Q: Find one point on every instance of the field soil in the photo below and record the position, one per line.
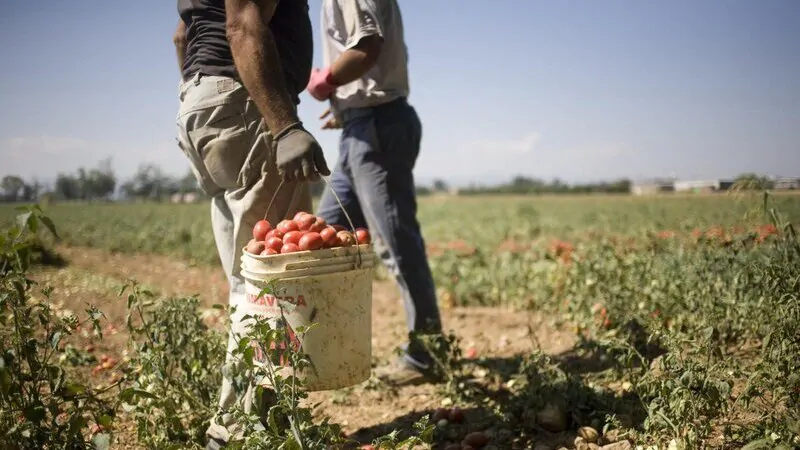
(365, 411)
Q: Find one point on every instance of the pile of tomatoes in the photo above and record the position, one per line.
(303, 232)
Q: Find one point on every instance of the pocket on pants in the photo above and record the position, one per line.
(195, 164)
(223, 146)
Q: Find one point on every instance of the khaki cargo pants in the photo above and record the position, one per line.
(229, 149)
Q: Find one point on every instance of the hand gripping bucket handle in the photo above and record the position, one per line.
(344, 210)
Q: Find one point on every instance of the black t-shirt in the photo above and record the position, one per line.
(208, 51)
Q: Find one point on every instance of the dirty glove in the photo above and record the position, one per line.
(298, 155)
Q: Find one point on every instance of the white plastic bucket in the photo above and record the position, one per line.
(329, 287)
(280, 263)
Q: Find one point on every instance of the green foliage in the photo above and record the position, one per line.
(689, 306)
(174, 371)
(177, 366)
(42, 405)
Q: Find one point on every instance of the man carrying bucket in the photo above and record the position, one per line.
(243, 64)
(366, 81)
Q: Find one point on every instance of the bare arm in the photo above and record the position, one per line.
(179, 39)
(355, 62)
(256, 59)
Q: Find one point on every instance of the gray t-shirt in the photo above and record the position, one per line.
(344, 23)
(208, 51)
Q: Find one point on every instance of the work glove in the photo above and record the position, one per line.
(321, 84)
(298, 155)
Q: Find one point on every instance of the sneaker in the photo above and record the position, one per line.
(405, 371)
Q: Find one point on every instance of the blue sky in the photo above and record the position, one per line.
(580, 90)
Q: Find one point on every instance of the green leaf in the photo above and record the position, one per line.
(128, 394)
(35, 413)
(74, 388)
(50, 226)
(272, 419)
(105, 420)
(55, 338)
(27, 220)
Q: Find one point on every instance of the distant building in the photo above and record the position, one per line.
(786, 184)
(703, 185)
(651, 187)
(189, 197)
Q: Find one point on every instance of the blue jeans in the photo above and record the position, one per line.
(374, 181)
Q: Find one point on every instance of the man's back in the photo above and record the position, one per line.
(344, 22)
(208, 50)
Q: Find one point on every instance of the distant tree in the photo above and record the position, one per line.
(149, 182)
(188, 183)
(30, 192)
(101, 181)
(13, 187)
(67, 187)
(422, 190)
(128, 189)
(99, 184)
(440, 185)
(96, 183)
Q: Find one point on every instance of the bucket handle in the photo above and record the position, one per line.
(344, 210)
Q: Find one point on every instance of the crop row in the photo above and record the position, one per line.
(184, 230)
(689, 308)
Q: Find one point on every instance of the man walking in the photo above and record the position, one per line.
(243, 64)
(366, 81)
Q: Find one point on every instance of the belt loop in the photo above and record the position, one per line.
(197, 79)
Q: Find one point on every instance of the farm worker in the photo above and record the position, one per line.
(365, 79)
(243, 64)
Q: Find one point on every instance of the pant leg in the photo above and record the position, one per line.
(341, 183)
(230, 152)
(382, 152)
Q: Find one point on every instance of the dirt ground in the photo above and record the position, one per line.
(94, 276)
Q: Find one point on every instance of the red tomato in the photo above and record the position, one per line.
(274, 244)
(290, 248)
(346, 238)
(274, 233)
(270, 251)
(310, 241)
(362, 236)
(300, 214)
(304, 222)
(255, 247)
(476, 439)
(287, 226)
(328, 235)
(456, 415)
(318, 225)
(292, 237)
(261, 229)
